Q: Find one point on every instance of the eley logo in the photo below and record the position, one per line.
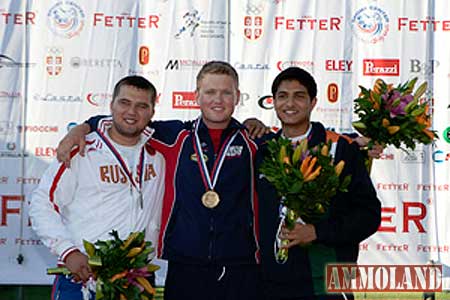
(338, 65)
(184, 100)
(144, 55)
(378, 67)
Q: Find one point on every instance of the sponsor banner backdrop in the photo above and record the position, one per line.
(59, 61)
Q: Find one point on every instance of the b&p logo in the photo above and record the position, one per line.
(66, 19)
(370, 24)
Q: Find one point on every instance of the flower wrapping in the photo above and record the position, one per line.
(396, 116)
(120, 267)
(305, 178)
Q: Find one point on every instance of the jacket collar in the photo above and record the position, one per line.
(317, 135)
(106, 123)
(233, 125)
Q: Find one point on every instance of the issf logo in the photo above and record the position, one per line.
(370, 24)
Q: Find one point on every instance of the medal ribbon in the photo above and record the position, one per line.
(206, 176)
(136, 185)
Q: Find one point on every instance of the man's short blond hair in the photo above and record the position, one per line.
(218, 67)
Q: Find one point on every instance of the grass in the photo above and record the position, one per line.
(400, 296)
(41, 292)
(35, 292)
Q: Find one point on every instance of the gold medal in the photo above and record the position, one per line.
(210, 199)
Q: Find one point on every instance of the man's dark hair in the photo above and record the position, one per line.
(298, 74)
(218, 67)
(138, 82)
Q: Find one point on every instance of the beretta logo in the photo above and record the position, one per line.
(184, 100)
(377, 67)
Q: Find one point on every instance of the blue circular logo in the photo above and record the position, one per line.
(370, 24)
(66, 19)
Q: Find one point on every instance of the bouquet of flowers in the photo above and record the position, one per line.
(120, 268)
(394, 115)
(305, 178)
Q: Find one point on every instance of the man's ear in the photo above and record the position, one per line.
(152, 114)
(197, 96)
(313, 103)
(238, 98)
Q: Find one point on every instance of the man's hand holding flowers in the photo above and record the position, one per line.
(306, 180)
(301, 234)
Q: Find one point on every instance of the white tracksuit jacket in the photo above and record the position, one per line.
(94, 196)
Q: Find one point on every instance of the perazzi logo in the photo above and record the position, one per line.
(184, 100)
(115, 174)
(383, 278)
(376, 67)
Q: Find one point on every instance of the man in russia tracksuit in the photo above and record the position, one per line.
(117, 185)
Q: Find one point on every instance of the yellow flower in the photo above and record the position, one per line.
(393, 129)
